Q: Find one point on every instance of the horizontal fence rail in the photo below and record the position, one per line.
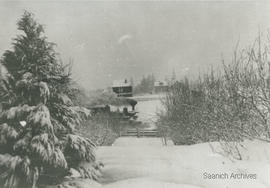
(141, 133)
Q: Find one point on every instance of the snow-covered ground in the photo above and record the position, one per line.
(148, 96)
(146, 163)
(147, 108)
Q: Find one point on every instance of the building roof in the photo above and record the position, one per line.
(121, 83)
(160, 83)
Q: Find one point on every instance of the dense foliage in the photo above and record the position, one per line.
(37, 124)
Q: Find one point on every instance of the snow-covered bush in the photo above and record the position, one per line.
(228, 107)
(38, 142)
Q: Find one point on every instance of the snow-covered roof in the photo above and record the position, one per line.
(160, 83)
(121, 83)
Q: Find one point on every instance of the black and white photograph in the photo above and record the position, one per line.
(134, 94)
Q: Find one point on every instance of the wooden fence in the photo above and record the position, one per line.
(141, 133)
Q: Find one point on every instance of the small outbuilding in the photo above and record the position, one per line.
(161, 87)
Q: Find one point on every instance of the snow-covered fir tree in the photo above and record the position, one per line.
(37, 123)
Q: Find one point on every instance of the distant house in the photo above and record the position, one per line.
(123, 106)
(160, 87)
(122, 88)
(127, 103)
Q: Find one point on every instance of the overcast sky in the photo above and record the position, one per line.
(115, 40)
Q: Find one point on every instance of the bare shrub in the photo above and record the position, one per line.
(100, 134)
(227, 107)
(102, 129)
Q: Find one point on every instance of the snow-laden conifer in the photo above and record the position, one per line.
(37, 123)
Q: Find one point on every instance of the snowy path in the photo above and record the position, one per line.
(146, 163)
